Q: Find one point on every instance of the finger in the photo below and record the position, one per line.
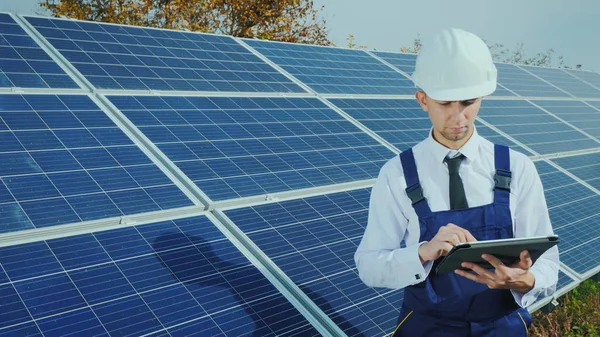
(484, 273)
(466, 235)
(525, 261)
(469, 236)
(494, 261)
(445, 247)
(473, 277)
(451, 238)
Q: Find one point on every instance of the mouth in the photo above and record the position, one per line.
(458, 130)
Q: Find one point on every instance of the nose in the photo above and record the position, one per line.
(457, 111)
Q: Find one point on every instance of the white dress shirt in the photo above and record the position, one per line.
(383, 262)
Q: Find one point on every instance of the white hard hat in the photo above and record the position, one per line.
(455, 65)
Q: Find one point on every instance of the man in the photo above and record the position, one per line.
(442, 192)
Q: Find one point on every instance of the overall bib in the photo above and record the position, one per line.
(449, 305)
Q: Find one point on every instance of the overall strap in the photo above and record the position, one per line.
(413, 189)
(503, 175)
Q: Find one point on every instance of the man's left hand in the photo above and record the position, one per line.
(516, 277)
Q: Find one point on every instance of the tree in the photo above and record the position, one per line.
(501, 53)
(280, 20)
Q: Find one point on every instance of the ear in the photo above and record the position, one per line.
(421, 97)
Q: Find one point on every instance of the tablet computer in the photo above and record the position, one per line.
(507, 250)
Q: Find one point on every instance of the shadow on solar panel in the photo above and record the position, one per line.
(197, 270)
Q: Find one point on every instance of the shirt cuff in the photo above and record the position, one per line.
(527, 299)
(418, 271)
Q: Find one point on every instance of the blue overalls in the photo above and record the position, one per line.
(449, 305)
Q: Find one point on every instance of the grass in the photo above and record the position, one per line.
(577, 315)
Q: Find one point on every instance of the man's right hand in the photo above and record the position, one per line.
(446, 237)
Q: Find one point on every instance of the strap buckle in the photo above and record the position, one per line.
(415, 193)
(502, 179)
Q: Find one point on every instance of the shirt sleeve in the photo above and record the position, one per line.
(532, 219)
(380, 260)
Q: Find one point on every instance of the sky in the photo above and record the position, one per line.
(570, 27)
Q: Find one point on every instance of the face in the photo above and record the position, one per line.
(452, 121)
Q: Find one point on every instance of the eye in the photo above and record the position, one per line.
(467, 103)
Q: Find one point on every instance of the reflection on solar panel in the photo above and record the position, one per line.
(585, 167)
(237, 147)
(174, 278)
(24, 64)
(525, 84)
(64, 161)
(575, 216)
(563, 280)
(577, 113)
(587, 76)
(564, 81)
(313, 241)
(404, 62)
(125, 57)
(533, 127)
(402, 122)
(335, 71)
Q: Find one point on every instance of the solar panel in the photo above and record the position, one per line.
(64, 160)
(334, 70)
(564, 280)
(402, 122)
(589, 77)
(173, 278)
(564, 81)
(525, 84)
(125, 57)
(23, 63)
(313, 241)
(404, 62)
(585, 167)
(533, 127)
(236, 147)
(575, 218)
(577, 113)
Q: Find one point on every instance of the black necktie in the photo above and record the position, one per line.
(457, 192)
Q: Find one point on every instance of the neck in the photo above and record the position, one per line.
(452, 144)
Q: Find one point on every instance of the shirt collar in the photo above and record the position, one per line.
(469, 149)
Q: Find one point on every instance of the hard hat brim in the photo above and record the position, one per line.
(461, 94)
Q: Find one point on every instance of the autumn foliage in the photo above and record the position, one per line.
(280, 20)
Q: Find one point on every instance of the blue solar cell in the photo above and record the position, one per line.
(313, 241)
(62, 325)
(534, 127)
(78, 251)
(41, 302)
(591, 78)
(101, 283)
(525, 84)
(23, 63)
(335, 70)
(564, 81)
(142, 59)
(402, 122)
(575, 218)
(39, 257)
(188, 275)
(563, 280)
(585, 167)
(13, 309)
(577, 113)
(61, 156)
(228, 158)
(28, 329)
